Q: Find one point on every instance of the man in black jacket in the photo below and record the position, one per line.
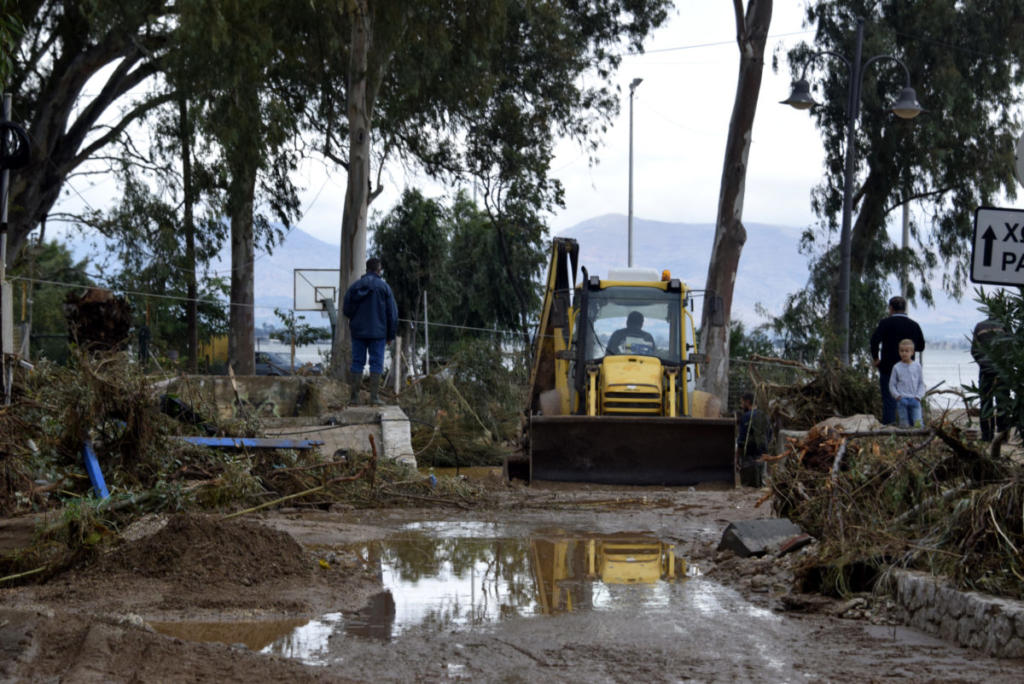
(895, 327)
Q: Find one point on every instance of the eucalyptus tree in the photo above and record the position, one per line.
(730, 235)
(59, 48)
(465, 88)
(237, 62)
(964, 59)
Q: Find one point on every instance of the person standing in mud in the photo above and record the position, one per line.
(752, 441)
(890, 331)
(370, 307)
(993, 414)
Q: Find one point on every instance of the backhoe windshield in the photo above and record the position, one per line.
(614, 326)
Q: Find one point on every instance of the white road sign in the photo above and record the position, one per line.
(998, 253)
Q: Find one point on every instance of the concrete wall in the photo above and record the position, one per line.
(261, 395)
(971, 619)
(302, 407)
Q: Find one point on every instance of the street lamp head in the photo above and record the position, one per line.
(800, 96)
(906, 106)
(635, 82)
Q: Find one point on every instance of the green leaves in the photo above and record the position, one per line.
(456, 255)
(965, 64)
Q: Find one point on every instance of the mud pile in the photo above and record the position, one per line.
(195, 549)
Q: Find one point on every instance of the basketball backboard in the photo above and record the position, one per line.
(313, 286)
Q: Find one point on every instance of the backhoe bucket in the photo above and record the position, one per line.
(624, 450)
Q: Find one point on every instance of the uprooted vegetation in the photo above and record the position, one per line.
(106, 400)
(467, 413)
(931, 499)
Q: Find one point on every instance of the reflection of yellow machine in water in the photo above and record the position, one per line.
(566, 567)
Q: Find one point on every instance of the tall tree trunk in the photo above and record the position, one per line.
(353, 221)
(730, 235)
(241, 333)
(191, 308)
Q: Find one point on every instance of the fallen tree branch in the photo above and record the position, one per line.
(434, 499)
(27, 573)
(300, 494)
(781, 362)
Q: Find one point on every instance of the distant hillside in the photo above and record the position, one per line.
(771, 266)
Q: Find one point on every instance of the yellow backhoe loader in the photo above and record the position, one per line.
(612, 385)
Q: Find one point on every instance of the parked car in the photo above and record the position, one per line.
(274, 363)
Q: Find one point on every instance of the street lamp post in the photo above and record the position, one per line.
(905, 107)
(632, 88)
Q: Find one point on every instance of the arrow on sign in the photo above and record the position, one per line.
(989, 237)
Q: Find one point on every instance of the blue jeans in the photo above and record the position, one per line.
(359, 349)
(888, 403)
(909, 411)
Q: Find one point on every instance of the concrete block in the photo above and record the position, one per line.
(955, 602)
(754, 537)
(396, 435)
(350, 430)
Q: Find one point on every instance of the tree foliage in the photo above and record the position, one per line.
(145, 254)
(43, 273)
(114, 48)
(465, 89)
(964, 61)
(453, 253)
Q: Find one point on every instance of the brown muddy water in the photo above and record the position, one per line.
(510, 602)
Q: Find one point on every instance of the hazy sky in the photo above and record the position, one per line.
(680, 121)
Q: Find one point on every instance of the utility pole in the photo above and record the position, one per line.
(632, 88)
(6, 301)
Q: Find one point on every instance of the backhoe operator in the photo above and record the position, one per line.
(631, 339)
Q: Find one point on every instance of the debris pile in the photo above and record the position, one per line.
(922, 499)
(468, 412)
(828, 390)
(104, 400)
(97, 319)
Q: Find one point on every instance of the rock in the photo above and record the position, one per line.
(754, 537)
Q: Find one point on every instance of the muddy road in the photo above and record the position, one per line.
(574, 584)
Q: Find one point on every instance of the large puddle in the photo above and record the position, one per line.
(454, 577)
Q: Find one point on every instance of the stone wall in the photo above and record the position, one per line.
(971, 619)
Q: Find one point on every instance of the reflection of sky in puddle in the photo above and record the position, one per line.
(458, 577)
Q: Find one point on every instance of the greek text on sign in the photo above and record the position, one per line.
(998, 252)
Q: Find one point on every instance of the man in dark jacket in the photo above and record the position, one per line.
(895, 327)
(753, 440)
(373, 322)
(993, 415)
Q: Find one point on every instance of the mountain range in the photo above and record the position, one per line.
(771, 267)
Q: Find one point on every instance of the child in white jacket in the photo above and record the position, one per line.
(906, 385)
